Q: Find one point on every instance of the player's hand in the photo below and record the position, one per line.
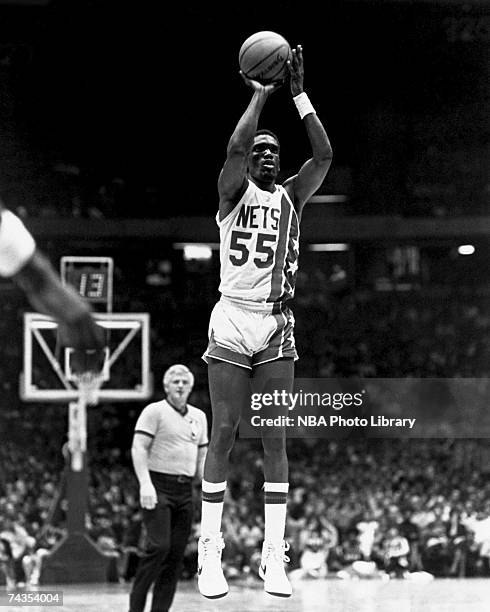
(91, 360)
(82, 333)
(296, 70)
(148, 496)
(86, 338)
(260, 87)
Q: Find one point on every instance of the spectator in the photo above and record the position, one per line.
(396, 551)
(313, 560)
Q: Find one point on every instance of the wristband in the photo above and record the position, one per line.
(16, 244)
(303, 104)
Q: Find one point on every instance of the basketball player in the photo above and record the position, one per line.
(21, 261)
(251, 327)
(168, 451)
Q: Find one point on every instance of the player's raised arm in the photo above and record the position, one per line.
(21, 261)
(47, 295)
(40, 283)
(232, 179)
(303, 185)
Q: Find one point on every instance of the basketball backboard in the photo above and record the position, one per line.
(46, 375)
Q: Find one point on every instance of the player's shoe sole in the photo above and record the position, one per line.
(214, 596)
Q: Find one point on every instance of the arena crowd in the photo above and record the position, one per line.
(357, 507)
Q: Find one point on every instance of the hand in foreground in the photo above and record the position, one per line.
(148, 496)
(296, 70)
(82, 333)
(87, 340)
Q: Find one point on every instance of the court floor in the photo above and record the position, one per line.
(443, 595)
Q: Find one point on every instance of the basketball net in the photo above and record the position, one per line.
(88, 384)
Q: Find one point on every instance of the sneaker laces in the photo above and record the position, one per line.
(277, 554)
(213, 546)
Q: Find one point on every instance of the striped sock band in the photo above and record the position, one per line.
(275, 497)
(275, 500)
(213, 494)
(213, 498)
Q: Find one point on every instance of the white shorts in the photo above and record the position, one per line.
(246, 337)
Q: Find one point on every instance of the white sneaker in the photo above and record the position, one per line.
(272, 570)
(210, 578)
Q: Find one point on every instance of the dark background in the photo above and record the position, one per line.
(149, 92)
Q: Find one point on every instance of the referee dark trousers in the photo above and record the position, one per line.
(168, 528)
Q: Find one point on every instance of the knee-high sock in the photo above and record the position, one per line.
(212, 507)
(275, 499)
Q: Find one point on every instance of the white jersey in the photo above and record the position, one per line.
(259, 249)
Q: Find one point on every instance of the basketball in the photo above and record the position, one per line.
(263, 57)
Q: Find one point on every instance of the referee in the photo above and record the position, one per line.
(168, 451)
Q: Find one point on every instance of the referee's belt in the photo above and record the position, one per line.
(180, 478)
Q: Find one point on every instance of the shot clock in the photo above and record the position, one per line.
(91, 277)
